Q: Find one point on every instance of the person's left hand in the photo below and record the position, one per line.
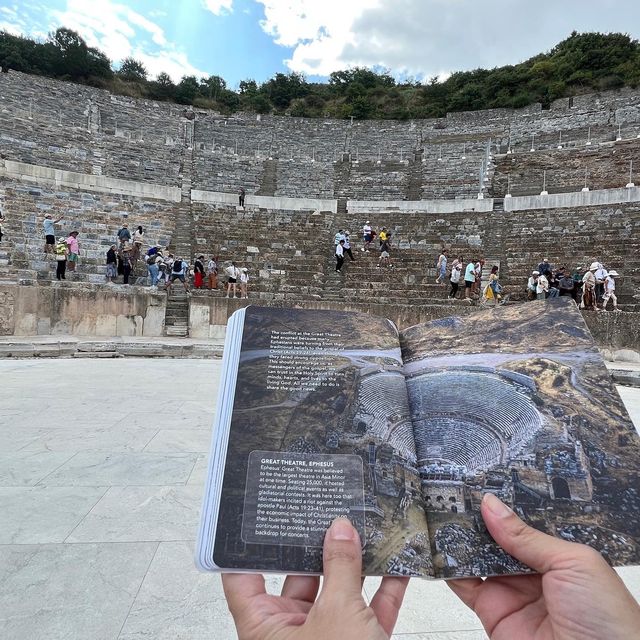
(338, 612)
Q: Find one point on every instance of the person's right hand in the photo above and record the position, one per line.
(576, 596)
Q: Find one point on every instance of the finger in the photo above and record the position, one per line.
(467, 590)
(342, 560)
(536, 549)
(387, 601)
(240, 589)
(301, 588)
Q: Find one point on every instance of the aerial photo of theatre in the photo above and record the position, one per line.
(363, 411)
(520, 405)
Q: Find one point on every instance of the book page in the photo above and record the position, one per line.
(517, 402)
(320, 429)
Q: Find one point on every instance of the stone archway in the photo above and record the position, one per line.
(560, 489)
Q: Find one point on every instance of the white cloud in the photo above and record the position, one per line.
(428, 38)
(118, 31)
(218, 7)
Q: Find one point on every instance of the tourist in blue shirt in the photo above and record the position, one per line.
(469, 279)
(49, 233)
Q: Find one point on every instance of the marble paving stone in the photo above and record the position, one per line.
(423, 605)
(75, 592)
(127, 514)
(198, 476)
(99, 439)
(39, 515)
(91, 469)
(26, 468)
(177, 602)
(15, 436)
(188, 440)
(173, 419)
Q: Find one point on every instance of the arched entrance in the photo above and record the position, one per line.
(560, 489)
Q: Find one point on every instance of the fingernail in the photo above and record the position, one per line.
(341, 529)
(496, 506)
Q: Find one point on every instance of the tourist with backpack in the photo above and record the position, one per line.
(179, 269)
(441, 267)
(198, 272)
(154, 269)
(62, 251)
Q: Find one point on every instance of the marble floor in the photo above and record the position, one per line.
(102, 465)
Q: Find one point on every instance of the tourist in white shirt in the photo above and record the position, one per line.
(609, 291)
(601, 275)
(244, 282)
(456, 272)
(542, 287)
(532, 283)
(339, 255)
(367, 236)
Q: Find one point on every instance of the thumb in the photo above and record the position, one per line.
(342, 561)
(536, 549)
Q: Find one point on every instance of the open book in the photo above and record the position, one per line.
(326, 413)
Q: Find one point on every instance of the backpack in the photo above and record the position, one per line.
(177, 266)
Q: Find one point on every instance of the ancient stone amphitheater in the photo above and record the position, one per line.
(471, 182)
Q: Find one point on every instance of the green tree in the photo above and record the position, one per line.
(187, 90)
(132, 70)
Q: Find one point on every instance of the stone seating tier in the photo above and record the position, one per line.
(607, 167)
(97, 217)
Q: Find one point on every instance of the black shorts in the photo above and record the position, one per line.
(468, 284)
(232, 280)
(50, 239)
(177, 276)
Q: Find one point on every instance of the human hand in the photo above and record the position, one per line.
(576, 596)
(300, 613)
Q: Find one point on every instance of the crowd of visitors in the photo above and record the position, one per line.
(590, 288)
(342, 246)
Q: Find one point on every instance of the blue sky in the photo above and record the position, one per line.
(240, 39)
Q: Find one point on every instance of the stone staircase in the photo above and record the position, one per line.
(269, 179)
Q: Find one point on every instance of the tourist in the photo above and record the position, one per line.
(124, 236)
(367, 236)
(572, 594)
(179, 270)
(233, 273)
(74, 250)
(532, 283)
(456, 272)
(493, 288)
(339, 236)
(589, 288)
(385, 252)
(212, 272)
(50, 232)
(339, 255)
(168, 261)
(601, 275)
(347, 246)
(154, 250)
(154, 269)
(469, 279)
(441, 267)
(198, 272)
(126, 264)
(244, 282)
(62, 251)
(545, 268)
(542, 287)
(241, 195)
(112, 264)
(577, 283)
(383, 235)
(566, 285)
(554, 284)
(479, 265)
(610, 291)
(138, 236)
